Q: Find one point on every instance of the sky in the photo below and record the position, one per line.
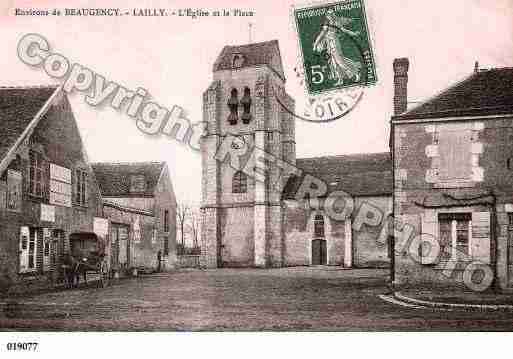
(173, 57)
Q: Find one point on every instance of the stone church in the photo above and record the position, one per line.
(251, 223)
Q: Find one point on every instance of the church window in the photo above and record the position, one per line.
(233, 105)
(319, 226)
(237, 61)
(246, 106)
(240, 182)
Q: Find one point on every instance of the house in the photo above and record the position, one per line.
(48, 190)
(139, 200)
(250, 223)
(453, 184)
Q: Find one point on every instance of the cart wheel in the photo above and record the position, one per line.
(104, 274)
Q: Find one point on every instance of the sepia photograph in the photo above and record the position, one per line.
(254, 168)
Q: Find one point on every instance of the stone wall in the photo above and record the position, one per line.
(369, 250)
(416, 157)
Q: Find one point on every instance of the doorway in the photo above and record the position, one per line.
(319, 252)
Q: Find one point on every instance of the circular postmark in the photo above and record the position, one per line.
(334, 67)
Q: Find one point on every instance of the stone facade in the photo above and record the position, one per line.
(243, 228)
(453, 189)
(142, 211)
(264, 225)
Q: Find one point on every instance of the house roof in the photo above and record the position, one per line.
(114, 178)
(18, 107)
(485, 92)
(260, 53)
(368, 174)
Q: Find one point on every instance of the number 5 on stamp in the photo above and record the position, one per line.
(335, 46)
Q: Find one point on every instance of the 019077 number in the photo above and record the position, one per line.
(26, 347)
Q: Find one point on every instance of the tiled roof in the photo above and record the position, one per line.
(18, 107)
(114, 178)
(485, 92)
(261, 53)
(357, 174)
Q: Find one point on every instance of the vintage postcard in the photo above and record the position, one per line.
(259, 167)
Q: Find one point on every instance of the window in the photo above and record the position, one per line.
(36, 174)
(319, 226)
(137, 183)
(166, 221)
(455, 233)
(237, 61)
(81, 187)
(240, 182)
(28, 249)
(509, 164)
(246, 106)
(166, 246)
(233, 105)
(453, 162)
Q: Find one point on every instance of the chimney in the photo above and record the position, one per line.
(400, 85)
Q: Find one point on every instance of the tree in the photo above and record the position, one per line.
(182, 213)
(194, 221)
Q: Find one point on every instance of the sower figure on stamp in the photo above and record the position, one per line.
(340, 66)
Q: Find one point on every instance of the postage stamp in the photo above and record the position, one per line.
(335, 46)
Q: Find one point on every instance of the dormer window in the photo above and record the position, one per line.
(237, 61)
(137, 183)
(246, 106)
(233, 105)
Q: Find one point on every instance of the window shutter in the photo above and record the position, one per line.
(429, 227)
(480, 243)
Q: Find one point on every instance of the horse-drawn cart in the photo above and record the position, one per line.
(87, 254)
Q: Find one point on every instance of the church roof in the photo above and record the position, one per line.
(260, 53)
(114, 179)
(368, 174)
(18, 107)
(485, 92)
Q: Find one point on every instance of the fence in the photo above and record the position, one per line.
(188, 261)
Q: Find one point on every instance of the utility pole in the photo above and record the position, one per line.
(250, 25)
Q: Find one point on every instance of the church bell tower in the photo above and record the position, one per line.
(246, 105)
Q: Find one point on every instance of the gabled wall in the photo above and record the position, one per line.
(57, 138)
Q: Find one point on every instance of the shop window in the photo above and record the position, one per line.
(80, 187)
(319, 226)
(36, 174)
(239, 182)
(455, 234)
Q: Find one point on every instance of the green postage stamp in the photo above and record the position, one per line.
(335, 46)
